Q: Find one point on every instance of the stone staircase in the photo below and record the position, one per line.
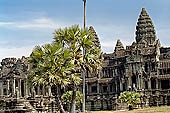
(30, 107)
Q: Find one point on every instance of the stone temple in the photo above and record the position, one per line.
(144, 67)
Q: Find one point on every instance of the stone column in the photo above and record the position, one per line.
(139, 82)
(121, 86)
(49, 90)
(38, 90)
(116, 87)
(43, 90)
(14, 87)
(108, 87)
(87, 86)
(142, 83)
(26, 88)
(149, 83)
(129, 83)
(98, 88)
(19, 87)
(160, 87)
(157, 83)
(7, 87)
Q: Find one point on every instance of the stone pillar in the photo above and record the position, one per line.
(38, 90)
(26, 88)
(49, 90)
(19, 87)
(149, 83)
(129, 83)
(98, 88)
(115, 87)
(157, 83)
(140, 86)
(8, 87)
(142, 83)
(14, 87)
(43, 88)
(121, 86)
(87, 86)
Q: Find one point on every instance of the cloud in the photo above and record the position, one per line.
(6, 23)
(15, 52)
(163, 36)
(38, 23)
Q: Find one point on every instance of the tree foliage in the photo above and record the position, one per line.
(62, 62)
(67, 97)
(131, 98)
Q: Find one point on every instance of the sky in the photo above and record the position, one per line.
(27, 23)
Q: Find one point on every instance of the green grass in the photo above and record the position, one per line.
(162, 109)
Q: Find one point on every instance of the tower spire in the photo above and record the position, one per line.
(97, 42)
(145, 28)
(119, 46)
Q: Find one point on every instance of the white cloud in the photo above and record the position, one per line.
(38, 23)
(15, 52)
(6, 23)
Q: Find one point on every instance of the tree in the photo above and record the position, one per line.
(86, 54)
(62, 62)
(130, 98)
(51, 66)
(67, 98)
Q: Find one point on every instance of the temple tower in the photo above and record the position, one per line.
(145, 31)
(97, 42)
(119, 46)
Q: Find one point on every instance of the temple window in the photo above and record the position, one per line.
(4, 83)
(94, 89)
(146, 67)
(153, 66)
(4, 91)
(146, 84)
(153, 84)
(104, 89)
(165, 84)
(111, 88)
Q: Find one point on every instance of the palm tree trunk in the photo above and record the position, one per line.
(73, 102)
(60, 104)
(84, 94)
(84, 14)
(84, 101)
(57, 95)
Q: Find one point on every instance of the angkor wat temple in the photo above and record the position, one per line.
(144, 67)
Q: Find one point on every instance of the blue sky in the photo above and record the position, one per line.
(26, 23)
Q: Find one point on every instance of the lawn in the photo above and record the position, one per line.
(162, 109)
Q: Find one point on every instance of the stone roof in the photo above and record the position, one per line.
(145, 28)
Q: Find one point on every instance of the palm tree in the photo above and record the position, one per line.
(67, 98)
(51, 66)
(62, 62)
(85, 54)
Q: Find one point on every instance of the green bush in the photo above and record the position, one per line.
(130, 98)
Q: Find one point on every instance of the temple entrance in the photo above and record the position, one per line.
(133, 82)
(92, 105)
(153, 84)
(22, 88)
(168, 100)
(165, 84)
(146, 84)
